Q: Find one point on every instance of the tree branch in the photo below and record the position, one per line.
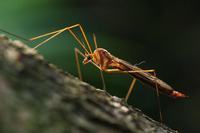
(35, 96)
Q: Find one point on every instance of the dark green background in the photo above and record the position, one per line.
(164, 34)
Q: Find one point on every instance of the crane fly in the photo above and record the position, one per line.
(106, 62)
(111, 64)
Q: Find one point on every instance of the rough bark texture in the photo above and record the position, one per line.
(37, 97)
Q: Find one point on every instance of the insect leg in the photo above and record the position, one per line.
(102, 76)
(46, 40)
(78, 40)
(95, 41)
(78, 52)
(44, 35)
(103, 80)
(130, 89)
(120, 71)
(55, 33)
(158, 100)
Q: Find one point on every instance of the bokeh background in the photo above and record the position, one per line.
(164, 34)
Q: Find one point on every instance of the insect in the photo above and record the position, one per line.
(106, 62)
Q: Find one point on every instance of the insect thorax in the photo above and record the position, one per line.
(102, 57)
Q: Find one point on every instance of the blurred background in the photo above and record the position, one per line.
(164, 34)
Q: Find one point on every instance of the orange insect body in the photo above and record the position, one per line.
(105, 60)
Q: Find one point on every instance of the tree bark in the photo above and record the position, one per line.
(37, 97)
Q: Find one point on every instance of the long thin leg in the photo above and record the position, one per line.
(103, 80)
(130, 89)
(55, 33)
(158, 100)
(78, 40)
(120, 71)
(44, 35)
(102, 76)
(77, 63)
(46, 40)
(95, 41)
